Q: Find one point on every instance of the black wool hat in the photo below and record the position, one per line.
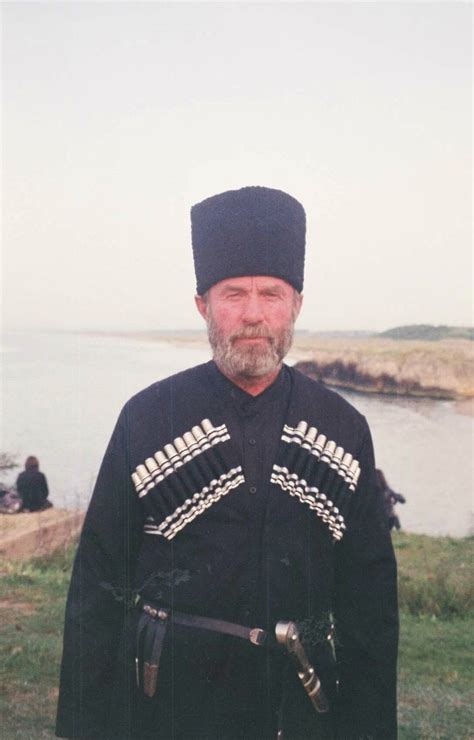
(252, 231)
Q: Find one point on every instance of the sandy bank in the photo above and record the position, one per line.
(441, 369)
(39, 533)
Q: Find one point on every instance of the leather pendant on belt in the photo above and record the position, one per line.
(150, 638)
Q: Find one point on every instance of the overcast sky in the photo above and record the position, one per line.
(117, 117)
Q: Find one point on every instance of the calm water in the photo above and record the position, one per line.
(61, 395)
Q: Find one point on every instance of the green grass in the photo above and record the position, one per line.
(435, 678)
(32, 597)
(435, 575)
(436, 595)
(435, 665)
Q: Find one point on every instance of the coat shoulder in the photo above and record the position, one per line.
(328, 403)
(184, 383)
(173, 383)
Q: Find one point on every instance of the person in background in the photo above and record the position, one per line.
(32, 486)
(390, 498)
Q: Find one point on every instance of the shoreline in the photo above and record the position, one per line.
(440, 370)
(374, 384)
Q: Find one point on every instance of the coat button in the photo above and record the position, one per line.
(252, 441)
(253, 489)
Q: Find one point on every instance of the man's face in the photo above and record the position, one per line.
(250, 323)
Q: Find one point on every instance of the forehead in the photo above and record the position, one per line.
(252, 282)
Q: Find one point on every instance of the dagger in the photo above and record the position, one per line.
(287, 635)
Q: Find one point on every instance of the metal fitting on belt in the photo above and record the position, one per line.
(257, 636)
(155, 613)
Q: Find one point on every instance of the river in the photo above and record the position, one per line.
(61, 394)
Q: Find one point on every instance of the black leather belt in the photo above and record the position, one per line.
(255, 635)
(151, 633)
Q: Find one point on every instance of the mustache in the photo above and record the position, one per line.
(252, 332)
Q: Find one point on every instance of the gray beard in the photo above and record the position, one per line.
(248, 361)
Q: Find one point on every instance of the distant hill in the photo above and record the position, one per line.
(334, 333)
(429, 332)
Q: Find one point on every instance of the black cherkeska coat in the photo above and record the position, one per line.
(207, 529)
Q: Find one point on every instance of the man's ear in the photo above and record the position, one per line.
(201, 305)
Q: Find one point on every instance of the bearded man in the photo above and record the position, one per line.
(235, 577)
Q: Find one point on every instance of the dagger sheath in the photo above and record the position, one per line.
(287, 635)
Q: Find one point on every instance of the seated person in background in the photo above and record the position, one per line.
(32, 486)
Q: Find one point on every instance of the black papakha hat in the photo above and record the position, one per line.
(251, 231)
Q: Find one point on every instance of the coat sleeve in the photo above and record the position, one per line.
(366, 614)
(99, 594)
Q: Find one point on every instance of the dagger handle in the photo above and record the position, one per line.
(287, 635)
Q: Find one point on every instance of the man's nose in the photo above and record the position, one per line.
(253, 310)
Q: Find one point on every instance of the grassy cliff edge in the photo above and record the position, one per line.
(442, 369)
(436, 599)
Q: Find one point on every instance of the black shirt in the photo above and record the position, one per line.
(255, 424)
